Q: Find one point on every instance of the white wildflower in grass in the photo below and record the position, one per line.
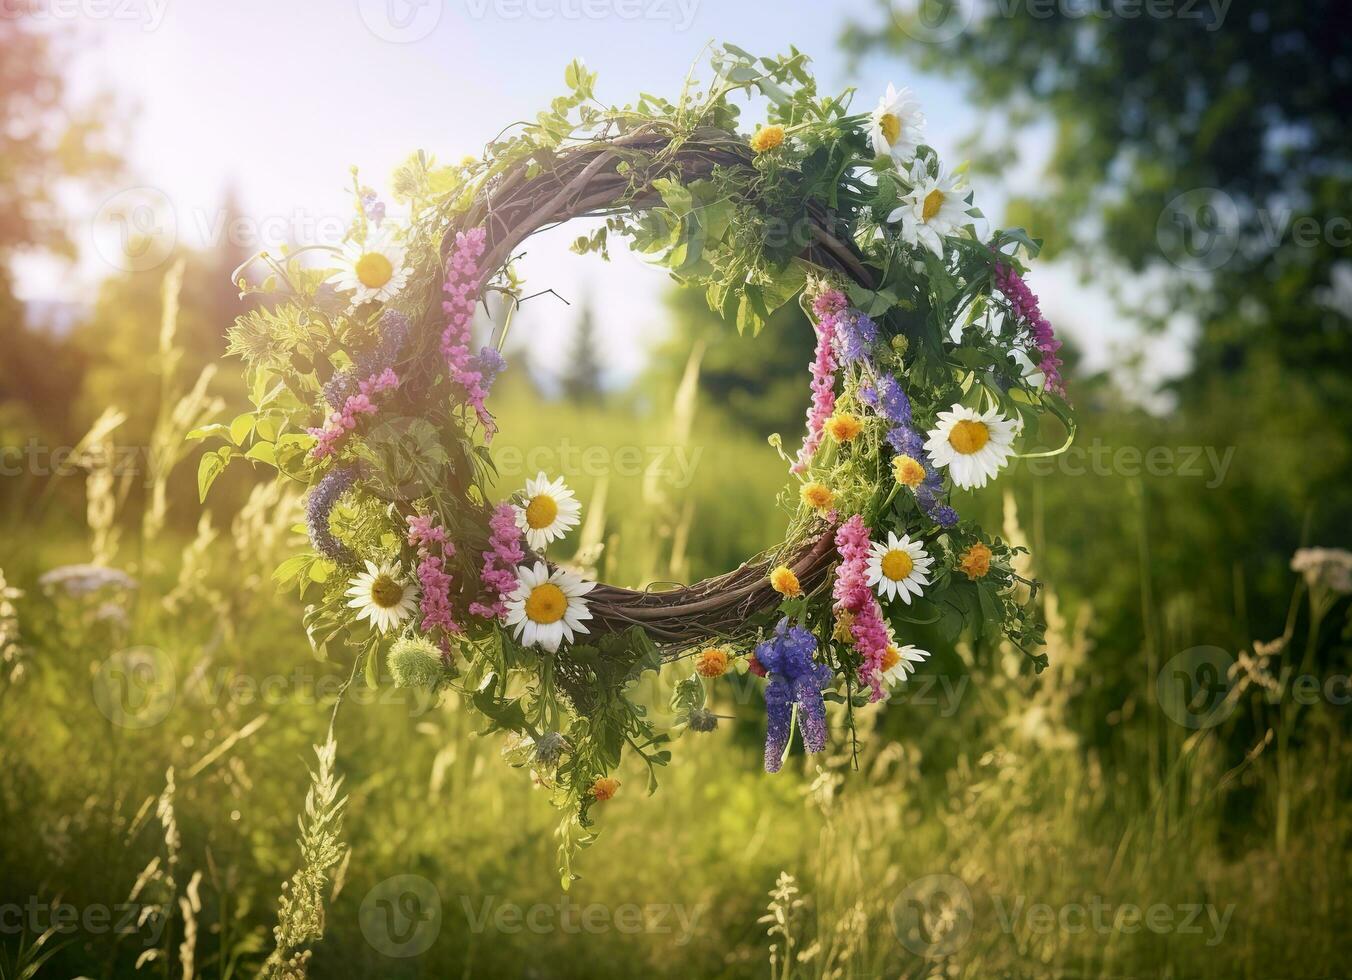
(547, 607)
(79, 581)
(382, 596)
(1329, 568)
(550, 511)
(974, 446)
(898, 567)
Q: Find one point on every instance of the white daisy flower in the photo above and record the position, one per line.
(898, 567)
(551, 511)
(381, 595)
(933, 209)
(371, 270)
(973, 446)
(897, 126)
(901, 661)
(547, 607)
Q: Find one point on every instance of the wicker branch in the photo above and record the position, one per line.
(582, 181)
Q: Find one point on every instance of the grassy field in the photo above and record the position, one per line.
(1081, 823)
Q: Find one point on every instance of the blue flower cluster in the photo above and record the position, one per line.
(319, 505)
(794, 678)
(855, 334)
(887, 398)
(393, 329)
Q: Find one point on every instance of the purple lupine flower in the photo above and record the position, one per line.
(886, 397)
(855, 333)
(372, 206)
(319, 506)
(490, 364)
(795, 678)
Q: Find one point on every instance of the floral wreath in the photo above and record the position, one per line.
(931, 356)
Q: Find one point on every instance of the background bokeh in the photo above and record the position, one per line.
(1168, 799)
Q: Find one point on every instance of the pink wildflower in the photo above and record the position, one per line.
(828, 306)
(853, 596)
(463, 280)
(344, 420)
(504, 554)
(435, 581)
(1023, 302)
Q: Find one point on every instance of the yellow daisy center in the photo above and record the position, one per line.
(934, 200)
(897, 564)
(541, 511)
(374, 270)
(891, 127)
(386, 592)
(546, 604)
(969, 436)
(891, 657)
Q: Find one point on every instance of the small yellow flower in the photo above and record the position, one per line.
(767, 138)
(975, 561)
(843, 426)
(783, 581)
(712, 662)
(604, 788)
(908, 471)
(842, 634)
(818, 496)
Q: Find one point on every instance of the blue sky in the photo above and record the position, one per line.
(279, 98)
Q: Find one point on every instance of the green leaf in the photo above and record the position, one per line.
(290, 568)
(209, 467)
(263, 452)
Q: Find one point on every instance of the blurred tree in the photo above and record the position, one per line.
(760, 382)
(1204, 140)
(45, 143)
(582, 374)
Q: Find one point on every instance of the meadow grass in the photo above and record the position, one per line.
(994, 826)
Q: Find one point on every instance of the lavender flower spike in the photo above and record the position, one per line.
(319, 506)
